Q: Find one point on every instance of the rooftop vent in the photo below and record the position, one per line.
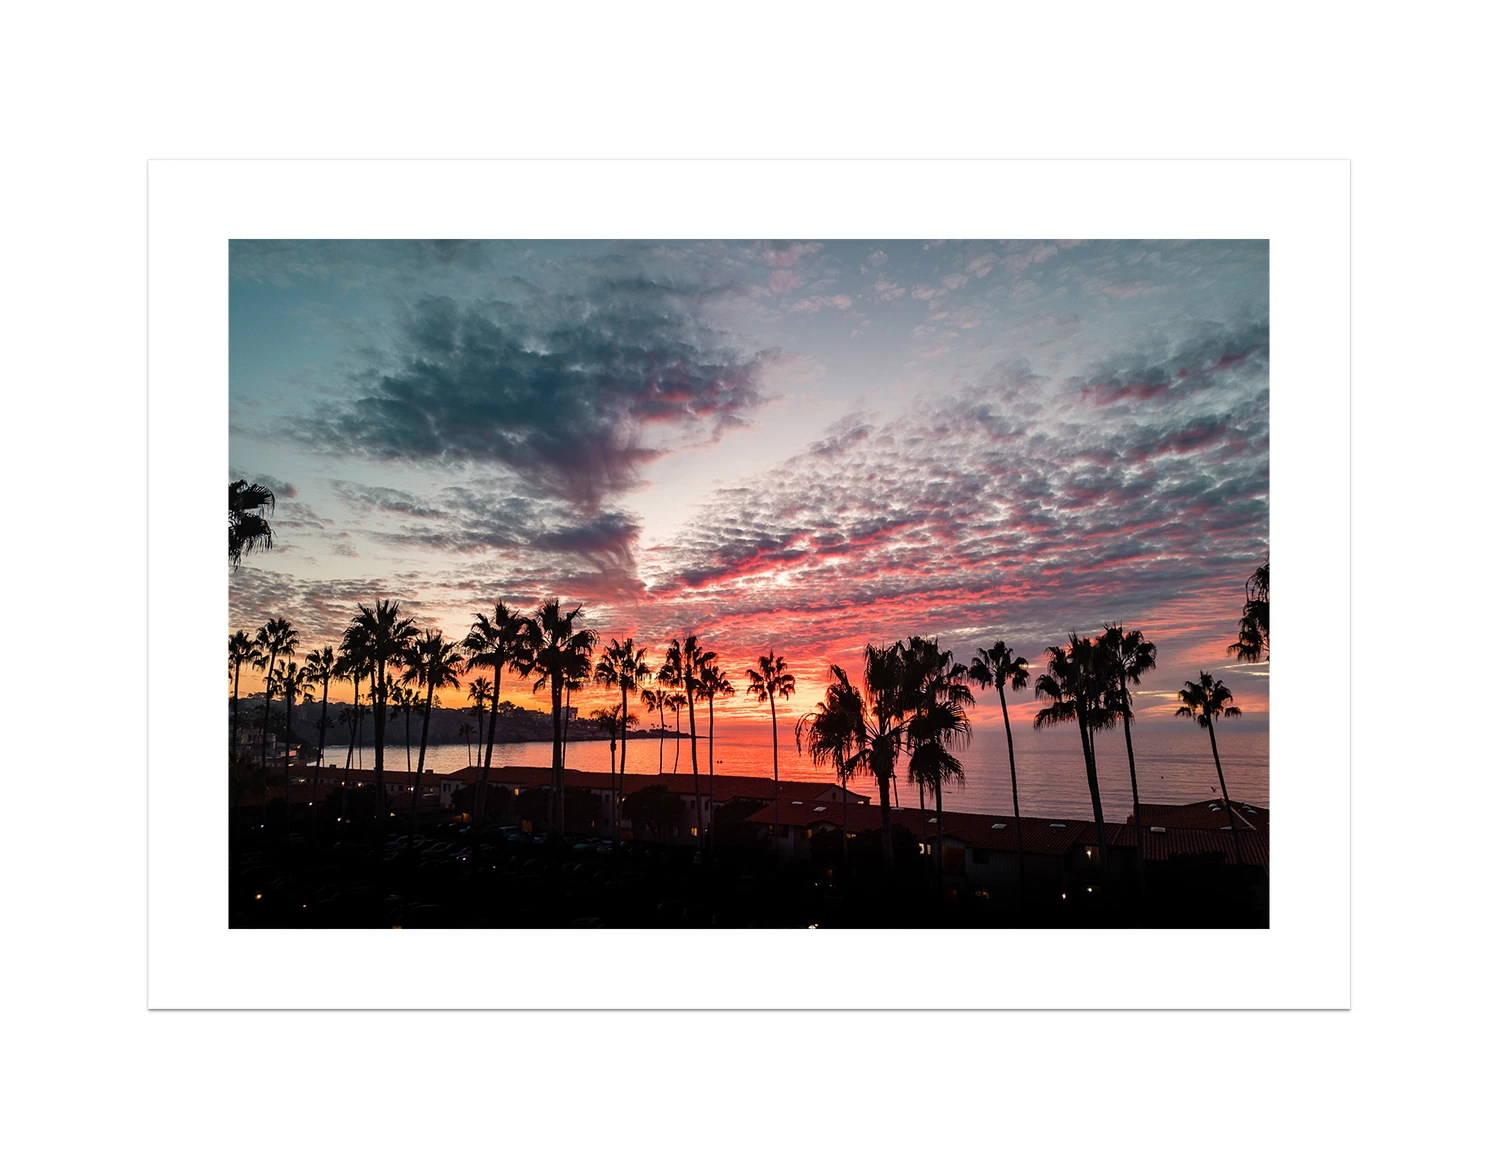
(1158, 828)
(998, 825)
(796, 802)
(821, 808)
(932, 820)
(1059, 825)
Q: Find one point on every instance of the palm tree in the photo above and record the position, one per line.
(466, 733)
(559, 651)
(276, 639)
(481, 690)
(435, 664)
(1000, 667)
(623, 666)
(656, 704)
(322, 669)
(935, 695)
(712, 681)
(675, 702)
(291, 684)
(835, 733)
(1254, 641)
(771, 680)
(494, 642)
(608, 718)
(863, 731)
(249, 530)
(1206, 700)
(351, 664)
(1129, 656)
(1081, 684)
(386, 635)
(242, 652)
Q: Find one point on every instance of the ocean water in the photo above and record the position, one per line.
(1174, 764)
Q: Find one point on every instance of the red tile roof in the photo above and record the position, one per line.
(1167, 843)
(1040, 835)
(1204, 814)
(725, 787)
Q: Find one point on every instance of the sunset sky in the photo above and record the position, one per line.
(796, 444)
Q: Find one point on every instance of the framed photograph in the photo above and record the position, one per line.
(745, 569)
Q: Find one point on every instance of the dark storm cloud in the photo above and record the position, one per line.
(569, 392)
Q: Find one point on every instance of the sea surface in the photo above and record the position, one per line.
(1174, 764)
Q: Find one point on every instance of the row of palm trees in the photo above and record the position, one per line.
(911, 703)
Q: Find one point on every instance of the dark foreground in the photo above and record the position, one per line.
(513, 880)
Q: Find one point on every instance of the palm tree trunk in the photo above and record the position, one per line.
(677, 750)
(845, 780)
(693, 745)
(422, 761)
(555, 801)
(624, 724)
(353, 727)
(1135, 799)
(380, 700)
(1093, 778)
(408, 739)
(286, 773)
(710, 773)
(922, 817)
(887, 847)
(1015, 800)
(661, 742)
(234, 726)
(775, 780)
(1234, 829)
(562, 787)
(318, 763)
(489, 751)
(938, 792)
(265, 727)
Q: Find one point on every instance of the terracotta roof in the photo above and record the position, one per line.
(1164, 843)
(725, 787)
(1039, 835)
(1204, 814)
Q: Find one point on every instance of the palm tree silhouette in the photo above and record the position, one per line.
(242, 652)
(771, 680)
(1254, 641)
(433, 663)
(999, 667)
(1205, 701)
(676, 701)
(276, 639)
(386, 635)
(466, 733)
(493, 642)
(480, 692)
(249, 530)
(936, 695)
(712, 681)
(558, 651)
(622, 665)
(1129, 656)
(656, 704)
(351, 664)
(684, 661)
(863, 731)
(292, 684)
(1081, 683)
(322, 669)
